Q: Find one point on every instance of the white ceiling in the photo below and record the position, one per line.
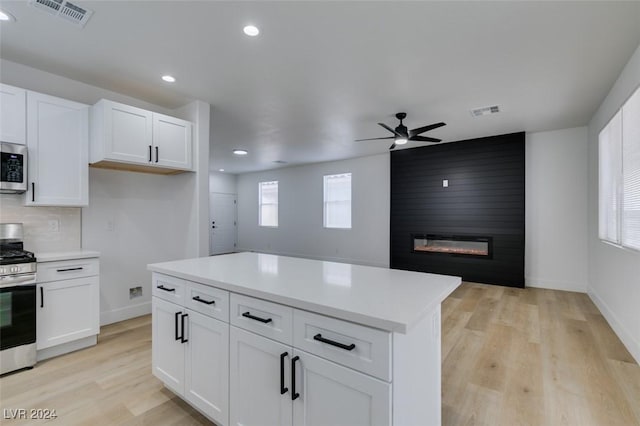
(322, 74)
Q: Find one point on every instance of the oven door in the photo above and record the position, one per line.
(17, 316)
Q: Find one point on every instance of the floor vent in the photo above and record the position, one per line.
(66, 10)
(477, 112)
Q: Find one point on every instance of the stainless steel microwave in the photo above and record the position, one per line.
(13, 171)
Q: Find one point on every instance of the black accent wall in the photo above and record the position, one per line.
(485, 198)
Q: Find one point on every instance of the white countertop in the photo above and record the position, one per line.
(55, 256)
(389, 299)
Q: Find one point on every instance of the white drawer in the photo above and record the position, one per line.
(67, 269)
(207, 300)
(357, 346)
(265, 318)
(168, 288)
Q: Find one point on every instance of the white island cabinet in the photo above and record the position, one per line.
(275, 340)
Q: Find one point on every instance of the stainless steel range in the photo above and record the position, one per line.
(17, 301)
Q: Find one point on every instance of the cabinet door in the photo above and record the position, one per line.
(67, 310)
(255, 381)
(127, 133)
(13, 113)
(334, 395)
(167, 352)
(172, 142)
(207, 366)
(58, 141)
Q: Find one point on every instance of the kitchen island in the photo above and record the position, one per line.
(257, 339)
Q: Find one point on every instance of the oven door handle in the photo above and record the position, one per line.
(15, 280)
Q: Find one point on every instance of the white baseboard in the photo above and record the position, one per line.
(128, 312)
(555, 284)
(65, 348)
(632, 345)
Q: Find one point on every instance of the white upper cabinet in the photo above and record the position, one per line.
(126, 137)
(57, 137)
(13, 114)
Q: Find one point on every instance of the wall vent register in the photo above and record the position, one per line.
(456, 245)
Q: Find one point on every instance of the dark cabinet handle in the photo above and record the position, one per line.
(263, 320)
(182, 339)
(206, 302)
(283, 389)
(70, 269)
(177, 314)
(319, 338)
(294, 394)
(149, 153)
(156, 154)
(33, 191)
(161, 287)
(42, 297)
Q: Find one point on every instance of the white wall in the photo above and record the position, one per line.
(224, 183)
(556, 209)
(614, 273)
(38, 237)
(132, 218)
(301, 232)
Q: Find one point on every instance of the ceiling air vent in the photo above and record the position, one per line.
(64, 9)
(477, 112)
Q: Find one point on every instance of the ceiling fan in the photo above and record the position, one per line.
(402, 135)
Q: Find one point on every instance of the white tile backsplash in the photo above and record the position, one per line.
(40, 223)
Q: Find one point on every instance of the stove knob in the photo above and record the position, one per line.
(3, 271)
(15, 269)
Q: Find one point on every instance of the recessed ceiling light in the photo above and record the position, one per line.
(221, 170)
(169, 78)
(251, 30)
(6, 16)
(240, 152)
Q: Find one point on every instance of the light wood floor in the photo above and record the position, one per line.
(510, 357)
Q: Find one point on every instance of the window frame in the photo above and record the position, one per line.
(261, 203)
(326, 203)
(617, 176)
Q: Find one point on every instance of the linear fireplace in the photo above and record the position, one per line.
(454, 245)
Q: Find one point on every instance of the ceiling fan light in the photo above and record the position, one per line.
(401, 141)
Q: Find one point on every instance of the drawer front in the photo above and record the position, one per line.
(67, 269)
(168, 288)
(265, 318)
(357, 346)
(207, 300)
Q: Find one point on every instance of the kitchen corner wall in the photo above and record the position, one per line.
(46, 229)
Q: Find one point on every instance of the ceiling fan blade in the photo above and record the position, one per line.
(419, 130)
(389, 129)
(392, 146)
(424, 139)
(374, 139)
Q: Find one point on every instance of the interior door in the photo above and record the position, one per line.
(222, 212)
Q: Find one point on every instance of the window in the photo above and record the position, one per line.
(619, 176)
(337, 201)
(268, 203)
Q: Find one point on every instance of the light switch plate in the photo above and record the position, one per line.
(445, 183)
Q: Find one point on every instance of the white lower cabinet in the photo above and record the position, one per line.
(259, 379)
(330, 394)
(191, 356)
(253, 372)
(67, 311)
(263, 392)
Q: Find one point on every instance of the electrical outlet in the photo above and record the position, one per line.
(135, 292)
(111, 226)
(53, 225)
(445, 183)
